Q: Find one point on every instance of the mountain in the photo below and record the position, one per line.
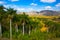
(43, 12)
(49, 12)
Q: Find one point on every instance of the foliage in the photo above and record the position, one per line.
(40, 28)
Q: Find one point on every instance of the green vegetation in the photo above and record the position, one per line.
(15, 26)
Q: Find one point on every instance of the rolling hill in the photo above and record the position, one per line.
(50, 13)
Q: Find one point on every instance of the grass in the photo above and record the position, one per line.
(55, 39)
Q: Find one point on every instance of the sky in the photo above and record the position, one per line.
(31, 5)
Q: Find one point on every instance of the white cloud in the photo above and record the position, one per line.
(48, 8)
(30, 9)
(6, 6)
(57, 5)
(33, 4)
(13, 0)
(1, 2)
(14, 7)
(48, 1)
(19, 9)
(10, 5)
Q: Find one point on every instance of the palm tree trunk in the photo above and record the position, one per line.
(10, 30)
(0, 30)
(23, 28)
(16, 27)
(29, 30)
(47, 34)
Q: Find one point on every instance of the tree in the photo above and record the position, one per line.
(16, 21)
(1, 17)
(11, 12)
(24, 20)
(30, 25)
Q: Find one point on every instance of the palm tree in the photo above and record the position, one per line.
(11, 12)
(16, 21)
(30, 25)
(0, 27)
(1, 17)
(24, 20)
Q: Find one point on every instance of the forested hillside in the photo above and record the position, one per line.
(15, 26)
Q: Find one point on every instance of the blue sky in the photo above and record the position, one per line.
(31, 5)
